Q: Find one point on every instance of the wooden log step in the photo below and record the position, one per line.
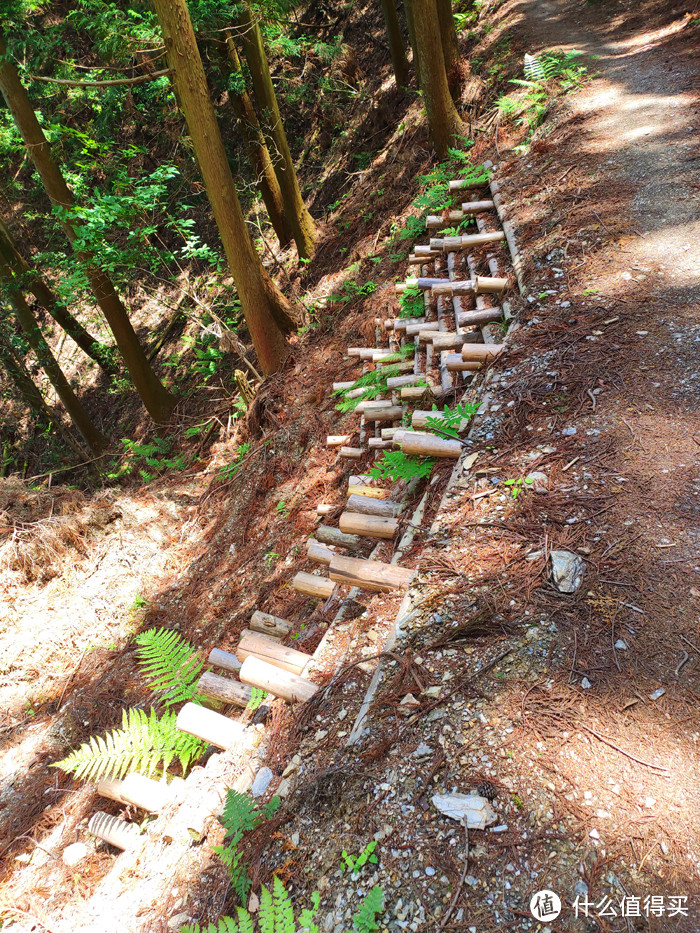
(419, 420)
(326, 534)
(462, 185)
(225, 660)
(427, 445)
(451, 244)
(455, 364)
(479, 317)
(476, 207)
(110, 829)
(338, 440)
(420, 260)
(341, 386)
(224, 689)
(318, 553)
(369, 526)
(404, 367)
(265, 676)
(427, 251)
(401, 323)
(440, 221)
(372, 575)
(371, 403)
(364, 485)
(269, 625)
(137, 790)
(489, 285)
(388, 433)
(351, 453)
(390, 413)
(398, 382)
(413, 329)
(445, 341)
(416, 393)
(481, 352)
(311, 585)
(376, 443)
(260, 646)
(365, 505)
(209, 726)
(383, 356)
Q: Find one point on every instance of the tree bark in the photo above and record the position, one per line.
(301, 222)
(255, 144)
(443, 119)
(95, 440)
(158, 401)
(412, 38)
(48, 300)
(266, 311)
(399, 61)
(450, 43)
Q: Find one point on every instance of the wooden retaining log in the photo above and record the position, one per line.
(489, 285)
(265, 676)
(427, 445)
(479, 317)
(481, 352)
(451, 244)
(326, 534)
(356, 351)
(455, 364)
(338, 440)
(209, 726)
(400, 324)
(371, 403)
(369, 526)
(372, 575)
(118, 833)
(398, 382)
(390, 413)
(340, 386)
(419, 420)
(388, 433)
(364, 485)
(476, 207)
(439, 222)
(376, 443)
(225, 660)
(444, 341)
(426, 251)
(269, 625)
(415, 393)
(224, 689)
(137, 790)
(413, 329)
(458, 184)
(311, 585)
(318, 553)
(351, 453)
(383, 356)
(260, 646)
(366, 505)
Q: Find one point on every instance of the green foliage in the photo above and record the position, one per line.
(151, 454)
(395, 465)
(240, 816)
(365, 919)
(171, 665)
(354, 864)
(145, 743)
(228, 472)
(449, 423)
(257, 698)
(411, 303)
(516, 485)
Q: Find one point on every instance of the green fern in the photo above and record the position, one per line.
(395, 465)
(171, 664)
(372, 383)
(240, 815)
(257, 698)
(411, 302)
(365, 919)
(450, 422)
(145, 744)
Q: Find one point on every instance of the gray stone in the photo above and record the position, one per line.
(261, 782)
(567, 571)
(469, 809)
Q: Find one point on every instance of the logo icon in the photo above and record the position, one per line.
(545, 905)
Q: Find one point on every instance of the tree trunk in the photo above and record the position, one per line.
(398, 52)
(48, 300)
(443, 119)
(450, 43)
(266, 310)
(412, 39)
(258, 153)
(154, 395)
(95, 440)
(301, 222)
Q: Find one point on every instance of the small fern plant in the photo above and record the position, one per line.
(451, 422)
(171, 665)
(395, 465)
(411, 302)
(276, 915)
(145, 743)
(240, 815)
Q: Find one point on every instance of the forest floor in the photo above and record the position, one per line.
(587, 723)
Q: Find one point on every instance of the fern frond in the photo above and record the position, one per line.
(171, 664)
(365, 919)
(245, 921)
(225, 925)
(145, 744)
(284, 912)
(266, 916)
(394, 465)
(451, 422)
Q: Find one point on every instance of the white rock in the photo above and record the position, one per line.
(74, 853)
(585, 683)
(567, 571)
(621, 645)
(474, 811)
(594, 834)
(261, 782)
(408, 705)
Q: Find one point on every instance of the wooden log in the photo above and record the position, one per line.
(480, 317)
(224, 689)
(366, 505)
(355, 351)
(402, 323)
(110, 829)
(371, 403)
(376, 443)
(265, 676)
(209, 726)
(413, 329)
(326, 534)
(388, 433)
(372, 575)
(369, 526)
(444, 341)
(489, 285)
(462, 185)
(364, 485)
(398, 382)
(416, 393)
(311, 585)
(340, 386)
(260, 646)
(324, 508)
(137, 790)
(399, 367)
(351, 453)
(419, 420)
(225, 660)
(455, 364)
(418, 260)
(439, 222)
(390, 413)
(318, 553)
(427, 251)
(269, 625)
(383, 356)
(427, 445)
(453, 243)
(476, 207)
(337, 440)
(481, 352)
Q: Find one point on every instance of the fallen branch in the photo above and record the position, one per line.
(67, 82)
